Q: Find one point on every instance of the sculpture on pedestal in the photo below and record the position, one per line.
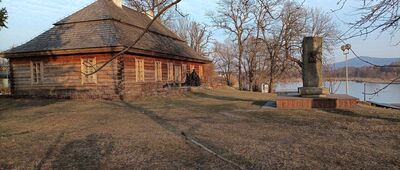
(312, 68)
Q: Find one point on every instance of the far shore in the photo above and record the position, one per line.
(356, 79)
(367, 80)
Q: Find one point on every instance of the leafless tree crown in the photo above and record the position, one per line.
(374, 16)
(268, 35)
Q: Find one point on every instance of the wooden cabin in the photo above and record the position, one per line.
(52, 63)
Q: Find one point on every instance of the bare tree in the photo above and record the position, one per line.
(254, 61)
(225, 59)
(146, 30)
(3, 17)
(321, 24)
(283, 37)
(196, 35)
(234, 16)
(375, 16)
(250, 63)
(153, 7)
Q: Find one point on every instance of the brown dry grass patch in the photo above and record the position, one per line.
(145, 134)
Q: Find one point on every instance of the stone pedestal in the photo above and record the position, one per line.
(313, 91)
(331, 101)
(312, 68)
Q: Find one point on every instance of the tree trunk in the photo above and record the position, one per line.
(251, 81)
(270, 86)
(271, 75)
(240, 69)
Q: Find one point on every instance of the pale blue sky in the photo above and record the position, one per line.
(29, 18)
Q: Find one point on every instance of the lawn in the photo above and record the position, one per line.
(147, 134)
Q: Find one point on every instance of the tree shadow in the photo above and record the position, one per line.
(16, 104)
(86, 153)
(153, 116)
(226, 98)
(49, 151)
(169, 126)
(357, 115)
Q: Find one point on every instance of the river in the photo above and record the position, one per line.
(391, 95)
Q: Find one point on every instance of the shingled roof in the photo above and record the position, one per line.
(105, 25)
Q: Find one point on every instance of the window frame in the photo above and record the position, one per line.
(37, 74)
(158, 71)
(170, 68)
(177, 73)
(184, 72)
(201, 72)
(139, 70)
(84, 69)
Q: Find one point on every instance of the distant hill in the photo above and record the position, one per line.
(355, 62)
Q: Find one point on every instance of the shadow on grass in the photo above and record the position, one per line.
(86, 153)
(357, 115)
(25, 103)
(49, 151)
(15, 134)
(254, 102)
(153, 116)
(173, 129)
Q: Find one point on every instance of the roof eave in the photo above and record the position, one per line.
(165, 55)
(133, 51)
(59, 52)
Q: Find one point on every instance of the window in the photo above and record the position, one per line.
(88, 66)
(139, 70)
(158, 71)
(170, 72)
(184, 72)
(201, 72)
(36, 72)
(178, 73)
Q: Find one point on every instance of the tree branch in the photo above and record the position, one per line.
(137, 39)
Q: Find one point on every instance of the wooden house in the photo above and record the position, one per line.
(52, 63)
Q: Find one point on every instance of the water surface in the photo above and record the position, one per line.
(390, 95)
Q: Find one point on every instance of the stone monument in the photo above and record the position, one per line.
(313, 94)
(312, 68)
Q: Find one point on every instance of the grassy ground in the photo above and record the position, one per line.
(60, 134)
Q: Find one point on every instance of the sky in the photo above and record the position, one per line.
(29, 18)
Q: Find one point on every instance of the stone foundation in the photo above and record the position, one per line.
(105, 93)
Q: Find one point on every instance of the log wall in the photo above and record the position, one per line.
(150, 86)
(62, 77)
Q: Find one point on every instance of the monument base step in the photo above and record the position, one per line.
(339, 101)
(313, 91)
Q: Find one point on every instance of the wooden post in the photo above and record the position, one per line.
(365, 85)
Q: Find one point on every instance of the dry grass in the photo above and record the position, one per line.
(59, 134)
